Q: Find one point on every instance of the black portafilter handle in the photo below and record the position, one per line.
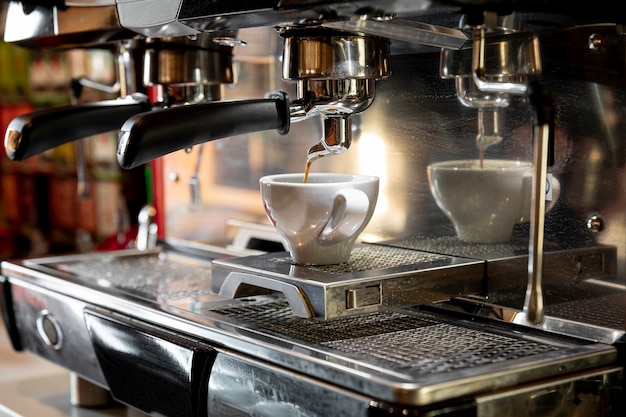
(36, 132)
(150, 135)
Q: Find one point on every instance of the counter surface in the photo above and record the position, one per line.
(31, 386)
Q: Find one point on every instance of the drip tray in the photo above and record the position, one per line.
(424, 357)
(375, 277)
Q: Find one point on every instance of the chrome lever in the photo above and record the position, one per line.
(147, 233)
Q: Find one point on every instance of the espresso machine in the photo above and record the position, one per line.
(212, 317)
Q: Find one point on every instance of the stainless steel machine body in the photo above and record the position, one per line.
(418, 322)
(167, 344)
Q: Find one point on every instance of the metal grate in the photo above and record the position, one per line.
(451, 245)
(278, 317)
(374, 257)
(405, 340)
(575, 301)
(605, 311)
(439, 348)
(154, 277)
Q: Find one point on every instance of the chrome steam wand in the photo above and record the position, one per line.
(543, 122)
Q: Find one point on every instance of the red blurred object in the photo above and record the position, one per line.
(119, 241)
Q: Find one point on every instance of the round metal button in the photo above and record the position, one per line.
(49, 330)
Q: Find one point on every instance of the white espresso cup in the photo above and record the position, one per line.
(484, 203)
(321, 219)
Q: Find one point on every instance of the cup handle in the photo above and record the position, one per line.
(347, 216)
(555, 190)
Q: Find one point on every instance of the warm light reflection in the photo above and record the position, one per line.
(373, 161)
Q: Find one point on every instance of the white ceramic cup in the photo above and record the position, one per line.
(321, 219)
(484, 204)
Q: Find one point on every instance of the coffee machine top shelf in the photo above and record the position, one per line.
(59, 23)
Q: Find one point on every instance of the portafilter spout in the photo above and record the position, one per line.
(489, 106)
(489, 75)
(335, 74)
(336, 139)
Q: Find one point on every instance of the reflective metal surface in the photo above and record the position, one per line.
(50, 325)
(39, 26)
(417, 321)
(403, 366)
(325, 55)
(375, 278)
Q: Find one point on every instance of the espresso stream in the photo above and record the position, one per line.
(306, 170)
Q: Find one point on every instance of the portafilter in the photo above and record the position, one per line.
(488, 76)
(171, 71)
(335, 71)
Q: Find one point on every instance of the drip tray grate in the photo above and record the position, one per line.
(405, 341)
(439, 348)
(367, 258)
(279, 318)
(153, 276)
